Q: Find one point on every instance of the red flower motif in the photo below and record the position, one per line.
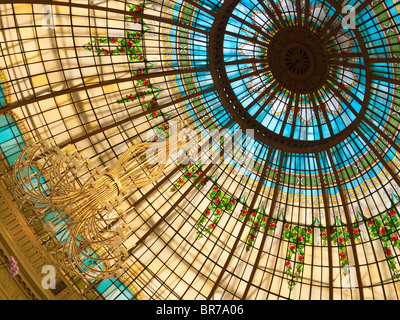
(244, 211)
(208, 212)
(382, 230)
(198, 172)
(332, 230)
(113, 40)
(181, 181)
(287, 227)
(219, 211)
(145, 82)
(130, 43)
(355, 231)
(346, 229)
(300, 239)
(217, 200)
(143, 94)
(137, 35)
(12, 262)
(122, 50)
(394, 238)
(291, 247)
(189, 173)
(392, 213)
(155, 113)
(233, 202)
(256, 224)
(152, 103)
(155, 139)
(300, 258)
(13, 268)
(135, 19)
(272, 225)
(340, 239)
(141, 72)
(251, 236)
(388, 252)
(288, 264)
(164, 126)
(324, 234)
(215, 189)
(140, 57)
(131, 97)
(309, 231)
(370, 223)
(253, 214)
(203, 180)
(212, 226)
(138, 8)
(343, 255)
(264, 218)
(106, 52)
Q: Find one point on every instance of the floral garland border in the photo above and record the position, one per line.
(383, 227)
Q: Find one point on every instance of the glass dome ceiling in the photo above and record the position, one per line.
(308, 209)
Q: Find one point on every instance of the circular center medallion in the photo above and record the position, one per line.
(291, 82)
(298, 60)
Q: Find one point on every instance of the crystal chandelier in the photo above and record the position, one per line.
(86, 217)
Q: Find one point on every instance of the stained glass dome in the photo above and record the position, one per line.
(291, 190)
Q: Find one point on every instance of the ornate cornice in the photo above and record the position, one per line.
(18, 239)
